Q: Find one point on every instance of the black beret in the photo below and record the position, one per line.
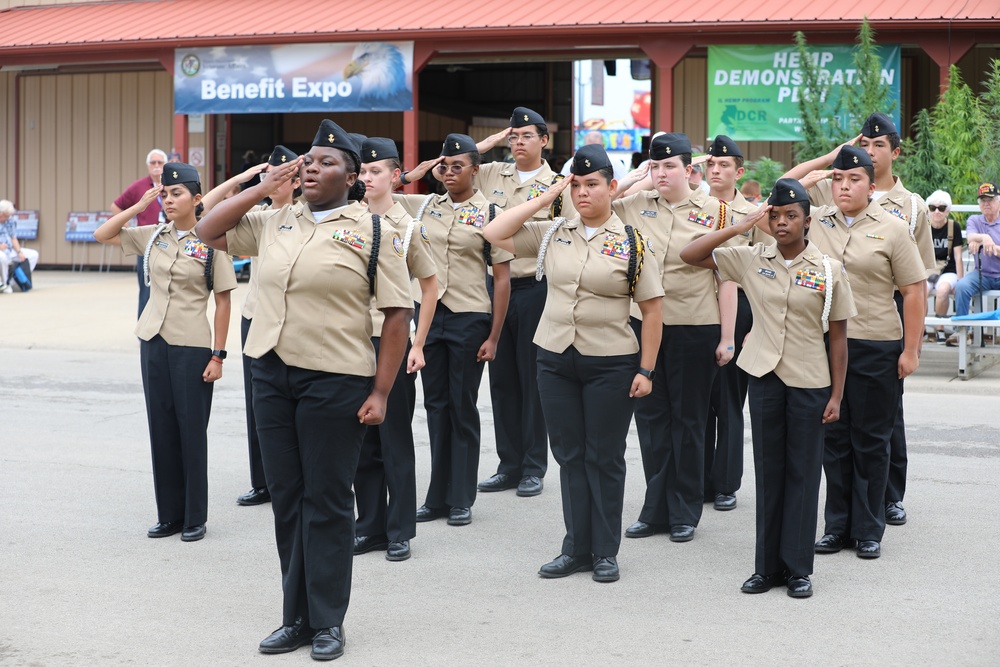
(987, 190)
(850, 157)
(523, 117)
(458, 144)
(723, 146)
(179, 172)
(280, 155)
(588, 159)
(378, 148)
(669, 144)
(331, 135)
(788, 191)
(878, 125)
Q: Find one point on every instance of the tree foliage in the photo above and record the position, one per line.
(919, 164)
(819, 131)
(991, 128)
(765, 171)
(959, 124)
(869, 94)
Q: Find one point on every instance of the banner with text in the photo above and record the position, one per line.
(753, 91)
(368, 76)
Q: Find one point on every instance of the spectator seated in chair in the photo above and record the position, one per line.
(12, 253)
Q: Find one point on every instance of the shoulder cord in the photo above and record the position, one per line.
(637, 248)
(557, 205)
(373, 259)
(149, 247)
(408, 236)
(487, 246)
(828, 293)
(723, 214)
(210, 269)
(913, 213)
(423, 207)
(544, 246)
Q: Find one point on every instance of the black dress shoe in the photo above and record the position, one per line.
(564, 565)
(605, 569)
(193, 533)
(459, 516)
(869, 549)
(529, 486)
(287, 638)
(724, 502)
(498, 482)
(799, 587)
(831, 544)
(681, 533)
(328, 644)
(762, 583)
(895, 515)
(643, 529)
(398, 551)
(365, 543)
(254, 497)
(165, 529)
(425, 513)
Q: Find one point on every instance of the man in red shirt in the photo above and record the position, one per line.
(154, 163)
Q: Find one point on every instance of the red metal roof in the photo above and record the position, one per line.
(165, 24)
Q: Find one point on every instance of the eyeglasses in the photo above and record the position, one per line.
(453, 168)
(988, 200)
(941, 208)
(514, 138)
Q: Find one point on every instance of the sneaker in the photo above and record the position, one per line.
(953, 339)
(7, 289)
(941, 338)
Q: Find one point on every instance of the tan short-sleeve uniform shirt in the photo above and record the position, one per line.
(177, 308)
(455, 234)
(787, 302)
(587, 302)
(898, 202)
(419, 261)
(313, 294)
(500, 183)
(879, 254)
(689, 291)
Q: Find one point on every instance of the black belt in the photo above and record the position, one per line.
(528, 281)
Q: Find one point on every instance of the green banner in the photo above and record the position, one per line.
(753, 91)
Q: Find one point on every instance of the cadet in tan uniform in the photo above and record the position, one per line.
(517, 412)
(465, 329)
(880, 139)
(724, 431)
(796, 293)
(879, 252)
(671, 421)
(387, 465)
(589, 367)
(313, 368)
(283, 196)
(179, 355)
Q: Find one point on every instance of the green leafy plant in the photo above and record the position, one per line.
(991, 128)
(958, 124)
(868, 94)
(820, 132)
(765, 171)
(919, 163)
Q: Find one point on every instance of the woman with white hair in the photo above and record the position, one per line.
(11, 250)
(948, 245)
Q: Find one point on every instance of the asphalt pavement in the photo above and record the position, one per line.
(80, 583)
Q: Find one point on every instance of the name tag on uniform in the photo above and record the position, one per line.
(899, 214)
(196, 249)
(648, 214)
(284, 228)
(536, 189)
(702, 219)
(812, 279)
(471, 216)
(876, 236)
(615, 246)
(767, 273)
(162, 244)
(350, 237)
(436, 214)
(499, 193)
(564, 241)
(828, 222)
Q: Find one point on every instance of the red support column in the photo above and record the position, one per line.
(945, 52)
(665, 56)
(422, 53)
(181, 136)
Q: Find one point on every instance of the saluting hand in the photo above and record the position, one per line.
(757, 218)
(372, 411)
(251, 172)
(279, 175)
(550, 195)
(641, 386)
(814, 177)
(148, 196)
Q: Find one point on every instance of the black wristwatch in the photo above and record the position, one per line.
(402, 178)
(221, 354)
(649, 374)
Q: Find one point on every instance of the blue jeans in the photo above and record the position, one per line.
(968, 288)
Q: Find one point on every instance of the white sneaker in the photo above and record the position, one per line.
(7, 289)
